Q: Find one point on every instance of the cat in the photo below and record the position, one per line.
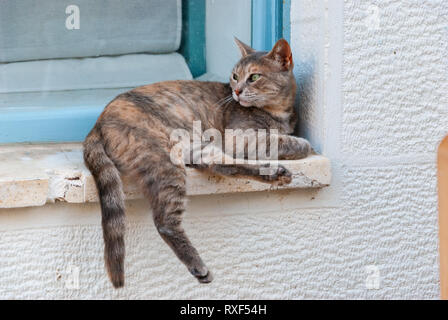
(132, 137)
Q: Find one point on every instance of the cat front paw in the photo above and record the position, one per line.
(276, 175)
(295, 149)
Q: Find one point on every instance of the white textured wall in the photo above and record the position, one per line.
(250, 243)
(374, 101)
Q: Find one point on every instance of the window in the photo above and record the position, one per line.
(61, 62)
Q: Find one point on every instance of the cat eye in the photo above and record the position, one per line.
(254, 77)
(235, 77)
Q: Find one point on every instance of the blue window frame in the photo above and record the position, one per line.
(192, 45)
(270, 21)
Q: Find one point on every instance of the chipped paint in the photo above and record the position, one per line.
(49, 173)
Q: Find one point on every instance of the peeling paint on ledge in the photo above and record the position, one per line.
(33, 175)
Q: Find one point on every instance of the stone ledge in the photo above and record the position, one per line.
(33, 175)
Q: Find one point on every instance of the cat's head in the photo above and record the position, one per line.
(262, 79)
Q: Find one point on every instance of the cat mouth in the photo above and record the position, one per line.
(243, 102)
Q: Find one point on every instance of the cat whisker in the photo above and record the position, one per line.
(228, 101)
(225, 100)
(222, 99)
(220, 102)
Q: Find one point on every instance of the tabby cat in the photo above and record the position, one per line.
(132, 137)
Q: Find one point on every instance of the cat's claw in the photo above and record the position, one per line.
(284, 176)
(203, 275)
(278, 176)
(206, 279)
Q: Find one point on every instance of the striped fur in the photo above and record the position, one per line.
(132, 137)
(108, 182)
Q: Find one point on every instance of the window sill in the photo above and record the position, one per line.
(33, 175)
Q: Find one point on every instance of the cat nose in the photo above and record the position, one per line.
(237, 92)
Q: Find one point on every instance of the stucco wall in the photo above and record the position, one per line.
(373, 99)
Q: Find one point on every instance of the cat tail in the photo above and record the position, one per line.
(110, 190)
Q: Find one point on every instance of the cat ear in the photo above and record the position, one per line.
(244, 48)
(281, 54)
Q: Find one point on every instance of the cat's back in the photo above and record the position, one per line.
(169, 104)
(177, 93)
(185, 87)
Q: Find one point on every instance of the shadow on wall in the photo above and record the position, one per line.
(304, 104)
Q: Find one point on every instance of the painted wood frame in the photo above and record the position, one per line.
(442, 175)
(270, 22)
(192, 45)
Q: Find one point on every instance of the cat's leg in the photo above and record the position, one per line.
(225, 165)
(292, 148)
(284, 147)
(164, 184)
(289, 148)
(277, 175)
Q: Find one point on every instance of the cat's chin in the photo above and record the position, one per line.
(245, 103)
